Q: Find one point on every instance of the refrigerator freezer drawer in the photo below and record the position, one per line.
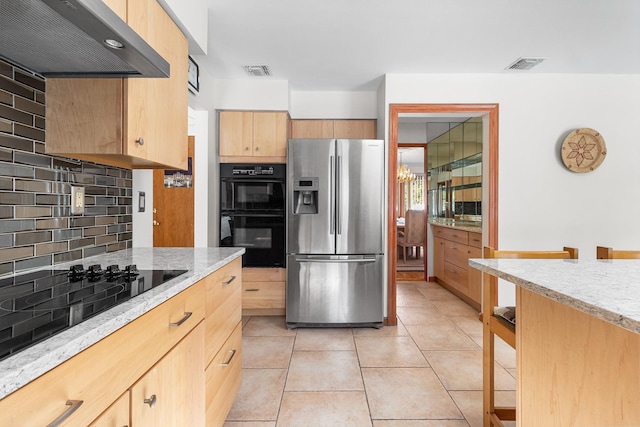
(334, 290)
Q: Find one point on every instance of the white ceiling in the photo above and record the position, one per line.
(350, 44)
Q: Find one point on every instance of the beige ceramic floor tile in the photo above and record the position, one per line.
(407, 393)
(411, 298)
(470, 403)
(266, 352)
(324, 409)
(313, 339)
(421, 315)
(512, 371)
(259, 396)
(245, 319)
(420, 423)
(267, 326)
(470, 325)
(455, 308)
(389, 331)
(324, 371)
(436, 292)
(441, 337)
(462, 370)
(249, 424)
(504, 354)
(389, 352)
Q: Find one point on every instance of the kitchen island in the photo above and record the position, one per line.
(198, 307)
(577, 340)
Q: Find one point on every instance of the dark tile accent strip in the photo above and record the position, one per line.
(26, 264)
(16, 115)
(16, 89)
(29, 106)
(16, 143)
(33, 237)
(30, 80)
(28, 132)
(9, 198)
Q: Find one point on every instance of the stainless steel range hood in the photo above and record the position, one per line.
(72, 38)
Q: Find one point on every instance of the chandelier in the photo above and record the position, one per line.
(405, 174)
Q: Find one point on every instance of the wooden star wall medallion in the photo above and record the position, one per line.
(583, 150)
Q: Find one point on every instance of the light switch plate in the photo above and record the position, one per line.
(77, 200)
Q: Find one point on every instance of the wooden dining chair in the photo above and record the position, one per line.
(608, 253)
(501, 321)
(413, 234)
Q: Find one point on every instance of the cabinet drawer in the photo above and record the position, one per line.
(263, 295)
(452, 234)
(456, 277)
(223, 305)
(475, 240)
(116, 415)
(475, 277)
(457, 254)
(223, 377)
(98, 375)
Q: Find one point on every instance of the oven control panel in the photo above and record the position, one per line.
(253, 170)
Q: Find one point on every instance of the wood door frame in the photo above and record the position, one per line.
(491, 110)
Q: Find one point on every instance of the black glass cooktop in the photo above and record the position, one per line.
(35, 306)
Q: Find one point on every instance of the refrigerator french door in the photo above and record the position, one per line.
(335, 232)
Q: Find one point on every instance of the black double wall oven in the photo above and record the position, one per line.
(252, 203)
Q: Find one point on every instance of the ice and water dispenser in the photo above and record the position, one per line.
(305, 196)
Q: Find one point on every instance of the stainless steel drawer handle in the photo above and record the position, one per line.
(228, 282)
(228, 362)
(73, 407)
(151, 401)
(181, 321)
(252, 290)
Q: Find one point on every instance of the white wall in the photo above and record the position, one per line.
(542, 204)
(333, 105)
(259, 93)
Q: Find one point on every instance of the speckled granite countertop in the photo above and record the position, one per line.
(30, 363)
(472, 226)
(606, 289)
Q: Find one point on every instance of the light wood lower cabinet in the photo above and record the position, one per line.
(172, 392)
(452, 250)
(223, 378)
(263, 291)
(161, 354)
(117, 415)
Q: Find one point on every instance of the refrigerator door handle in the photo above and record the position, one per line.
(339, 194)
(332, 199)
(336, 261)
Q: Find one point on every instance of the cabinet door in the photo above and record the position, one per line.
(301, 129)
(116, 416)
(270, 130)
(475, 276)
(355, 129)
(172, 392)
(236, 133)
(156, 109)
(438, 257)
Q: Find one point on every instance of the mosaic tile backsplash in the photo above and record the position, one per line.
(36, 225)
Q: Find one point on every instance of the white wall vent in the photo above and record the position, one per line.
(257, 70)
(525, 63)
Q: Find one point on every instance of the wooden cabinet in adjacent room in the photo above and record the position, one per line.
(452, 250)
(353, 129)
(131, 122)
(253, 136)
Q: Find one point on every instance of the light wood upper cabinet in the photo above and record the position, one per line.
(354, 129)
(134, 122)
(254, 136)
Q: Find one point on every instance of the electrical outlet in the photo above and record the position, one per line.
(77, 200)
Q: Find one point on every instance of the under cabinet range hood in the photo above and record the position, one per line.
(74, 38)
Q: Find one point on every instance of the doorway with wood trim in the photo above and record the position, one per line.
(173, 205)
(489, 114)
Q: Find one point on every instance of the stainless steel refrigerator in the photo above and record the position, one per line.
(335, 220)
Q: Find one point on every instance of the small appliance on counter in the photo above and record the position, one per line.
(335, 226)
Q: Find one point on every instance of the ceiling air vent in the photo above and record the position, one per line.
(257, 70)
(525, 63)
